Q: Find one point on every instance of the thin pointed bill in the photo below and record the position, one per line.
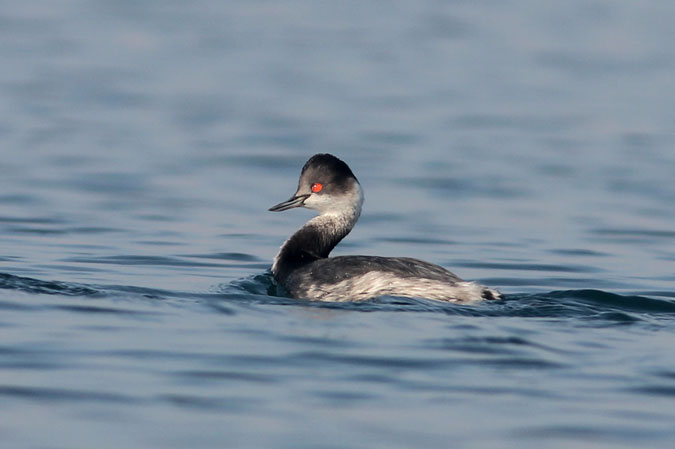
(294, 201)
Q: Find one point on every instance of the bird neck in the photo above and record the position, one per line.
(315, 240)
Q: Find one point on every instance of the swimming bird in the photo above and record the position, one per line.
(303, 266)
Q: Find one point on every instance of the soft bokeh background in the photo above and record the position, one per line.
(526, 144)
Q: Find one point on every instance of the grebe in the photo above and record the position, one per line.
(303, 267)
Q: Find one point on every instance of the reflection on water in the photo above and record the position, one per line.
(523, 144)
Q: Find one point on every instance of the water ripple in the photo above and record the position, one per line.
(29, 285)
(261, 289)
(45, 394)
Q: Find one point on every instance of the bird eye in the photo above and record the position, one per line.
(316, 187)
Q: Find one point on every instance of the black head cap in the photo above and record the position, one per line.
(328, 169)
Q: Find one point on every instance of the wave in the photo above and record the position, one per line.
(261, 288)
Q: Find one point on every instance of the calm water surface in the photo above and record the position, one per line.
(528, 145)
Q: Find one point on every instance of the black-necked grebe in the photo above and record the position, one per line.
(303, 267)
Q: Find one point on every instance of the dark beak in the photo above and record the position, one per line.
(294, 201)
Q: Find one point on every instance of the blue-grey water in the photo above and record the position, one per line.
(529, 145)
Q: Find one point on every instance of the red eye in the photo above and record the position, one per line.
(316, 187)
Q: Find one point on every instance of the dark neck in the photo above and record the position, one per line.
(315, 240)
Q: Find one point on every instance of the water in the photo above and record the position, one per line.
(527, 145)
